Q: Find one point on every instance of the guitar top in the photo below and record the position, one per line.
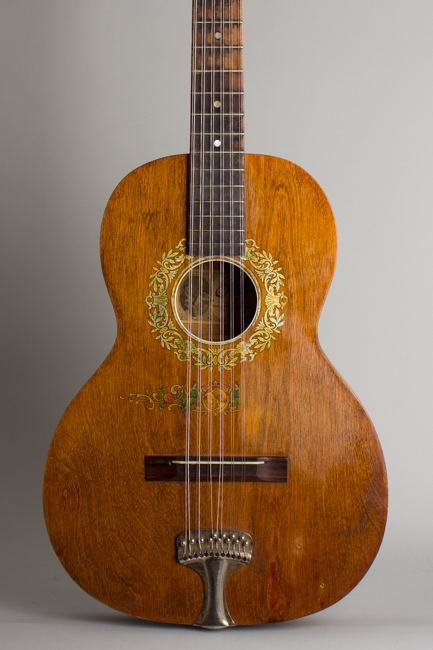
(216, 470)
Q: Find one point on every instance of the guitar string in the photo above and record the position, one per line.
(201, 315)
(230, 62)
(222, 294)
(242, 391)
(212, 167)
(211, 279)
(240, 197)
(222, 282)
(198, 396)
(189, 297)
(200, 304)
(218, 247)
(211, 241)
(237, 503)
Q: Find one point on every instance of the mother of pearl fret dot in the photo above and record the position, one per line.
(217, 143)
(218, 35)
(217, 104)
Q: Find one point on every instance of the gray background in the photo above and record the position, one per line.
(91, 89)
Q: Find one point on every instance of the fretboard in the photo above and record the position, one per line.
(216, 219)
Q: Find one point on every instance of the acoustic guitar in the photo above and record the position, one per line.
(216, 470)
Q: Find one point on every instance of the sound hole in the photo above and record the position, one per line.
(216, 301)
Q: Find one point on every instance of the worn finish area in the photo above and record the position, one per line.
(315, 535)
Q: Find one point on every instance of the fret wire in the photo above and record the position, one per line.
(227, 229)
(225, 223)
(230, 152)
(201, 217)
(216, 132)
(215, 230)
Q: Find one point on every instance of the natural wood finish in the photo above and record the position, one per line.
(314, 536)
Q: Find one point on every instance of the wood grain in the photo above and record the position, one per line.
(314, 536)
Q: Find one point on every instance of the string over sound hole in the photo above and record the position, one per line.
(215, 301)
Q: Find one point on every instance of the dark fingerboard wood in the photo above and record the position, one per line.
(216, 212)
(246, 469)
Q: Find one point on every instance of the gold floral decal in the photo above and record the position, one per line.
(213, 398)
(211, 356)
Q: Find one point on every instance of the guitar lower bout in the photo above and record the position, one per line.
(270, 388)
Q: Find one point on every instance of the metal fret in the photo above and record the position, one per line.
(202, 230)
(205, 71)
(229, 102)
(219, 153)
(218, 224)
(223, 82)
(216, 192)
(206, 208)
(225, 248)
(216, 133)
(216, 236)
(206, 162)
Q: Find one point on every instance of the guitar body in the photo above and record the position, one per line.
(316, 533)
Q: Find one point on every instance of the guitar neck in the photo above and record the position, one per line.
(216, 218)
